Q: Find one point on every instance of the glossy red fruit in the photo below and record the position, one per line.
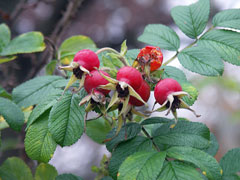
(144, 91)
(130, 76)
(164, 88)
(94, 80)
(152, 54)
(87, 58)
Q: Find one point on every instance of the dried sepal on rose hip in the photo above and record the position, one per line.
(96, 96)
(168, 93)
(128, 81)
(149, 59)
(84, 61)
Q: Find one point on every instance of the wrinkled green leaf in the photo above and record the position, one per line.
(192, 19)
(202, 61)
(5, 36)
(45, 104)
(213, 148)
(4, 93)
(204, 161)
(34, 90)
(124, 48)
(229, 18)
(128, 131)
(25, 43)
(136, 144)
(225, 43)
(66, 121)
(185, 133)
(15, 169)
(45, 172)
(192, 91)
(174, 73)
(51, 66)
(230, 162)
(68, 177)
(156, 120)
(231, 177)
(72, 45)
(161, 36)
(39, 144)
(142, 165)
(174, 170)
(98, 129)
(12, 114)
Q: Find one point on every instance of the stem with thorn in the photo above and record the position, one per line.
(121, 58)
(190, 45)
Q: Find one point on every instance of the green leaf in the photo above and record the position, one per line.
(204, 161)
(230, 162)
(98, 129)
(161, 36)
(174, 73)
(107, 62)
(34, 90)
(4, 93)
(45, 172)
(174, 170)
(192, 19)
(115, 60)
(12, 114)
(51, 66)
(225, 43)
(213, 148)
(229, 18)
(45, 104)
(25, 43)
(185, 133)
(15, 169)
(72, 45)
(68, 177)
(132, 55)
(5, 36)
(136, 144)
(192, 91)
(128, 131)
(66, 121)
(123, 48)
(156, 120)
(202, 61)
(7, 59)
(231, 177)
(107, 178)
(39, 144)
(142, 165)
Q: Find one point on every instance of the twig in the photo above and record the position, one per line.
(18, 9)
(57, 33)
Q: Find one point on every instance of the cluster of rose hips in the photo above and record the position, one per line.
(130, 88)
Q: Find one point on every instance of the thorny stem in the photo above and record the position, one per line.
(190, 45)
(148, 135)
(121, 58)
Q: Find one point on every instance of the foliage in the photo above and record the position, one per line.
(154, 148)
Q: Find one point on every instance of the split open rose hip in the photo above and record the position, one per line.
(148, 60)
